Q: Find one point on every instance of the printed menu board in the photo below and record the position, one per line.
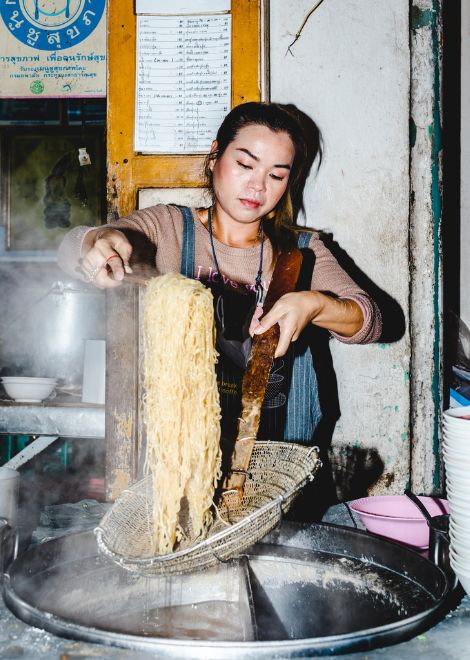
(183, 79)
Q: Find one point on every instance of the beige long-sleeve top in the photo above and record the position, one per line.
(163, 226)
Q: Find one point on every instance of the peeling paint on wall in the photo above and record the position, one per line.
(425, 267)
(421, 17)
(358, 59)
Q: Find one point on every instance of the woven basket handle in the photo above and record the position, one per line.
(255, 379)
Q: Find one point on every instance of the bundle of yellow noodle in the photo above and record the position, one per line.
(181, 406)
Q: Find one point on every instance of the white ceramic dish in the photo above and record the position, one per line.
(460, 526)
(459, 442)
(460, 544)
(463, 574)
(462, 534)
(464, 509)
(457, 446)
(460, 520)
(455, 478)
(455, 497)
(464, 580)
(461, 549)
(458, 492)
(455, 415)
(458, 487)
(452, 432)
(460, 562)
(28, 390)
(455, 464)
(456, 500)
(456, 454)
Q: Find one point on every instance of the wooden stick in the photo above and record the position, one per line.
(255, 379)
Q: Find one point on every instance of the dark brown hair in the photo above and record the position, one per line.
(280, 224)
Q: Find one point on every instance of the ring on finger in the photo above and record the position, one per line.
(113, 256)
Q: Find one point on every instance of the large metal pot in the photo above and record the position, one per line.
(46, 336)
(306, 590)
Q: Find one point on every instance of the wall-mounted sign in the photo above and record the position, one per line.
(52, 48)
(183, 82)
(179, 7)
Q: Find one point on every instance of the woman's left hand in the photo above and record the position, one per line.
(294, 311)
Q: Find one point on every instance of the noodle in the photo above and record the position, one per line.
(181, 406)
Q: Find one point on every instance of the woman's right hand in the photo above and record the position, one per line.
(106, 253)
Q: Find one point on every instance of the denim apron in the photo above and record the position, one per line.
(303, 407)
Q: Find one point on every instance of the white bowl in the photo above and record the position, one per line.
(462, 428)
(457, 498)
(454, 453)
(458, 501)
(28, 390)
(460, 507)
(459, 486)
(460, 521)
(461, 549)
(457, 491)
(457, 479)
(459, 447)
(462, 573)
(454, 415)
(459, 532)
(461, 563)
(456, 424)
(457, 452)
(455, 421)
(457, 474)
(464, 579)
(460, 541)
(460, 464)
(456, 482)
(450, 432)
(462, 529)
(460, 511)
(460, 443)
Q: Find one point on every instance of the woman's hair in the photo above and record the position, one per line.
(280, 224)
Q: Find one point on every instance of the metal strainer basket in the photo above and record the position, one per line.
(277, 471)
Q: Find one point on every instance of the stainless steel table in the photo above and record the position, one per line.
(69, 420)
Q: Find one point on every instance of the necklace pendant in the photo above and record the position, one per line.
(259, 296)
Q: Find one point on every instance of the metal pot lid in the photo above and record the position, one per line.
(305, 590)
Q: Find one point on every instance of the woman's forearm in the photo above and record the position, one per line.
(342, 316)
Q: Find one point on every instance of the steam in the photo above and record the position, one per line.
(47, 317)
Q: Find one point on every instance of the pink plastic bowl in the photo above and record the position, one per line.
(397, 518)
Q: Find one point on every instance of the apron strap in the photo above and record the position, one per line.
(303, 405)
(303, 239)
(188, 243)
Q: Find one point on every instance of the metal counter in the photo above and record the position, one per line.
(69, 420)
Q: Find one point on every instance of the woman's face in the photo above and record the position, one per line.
(252, 174)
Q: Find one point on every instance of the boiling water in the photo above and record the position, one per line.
(210, 620)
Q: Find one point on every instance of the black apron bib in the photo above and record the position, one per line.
(233, 311)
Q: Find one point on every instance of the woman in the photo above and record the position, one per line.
(256, 171)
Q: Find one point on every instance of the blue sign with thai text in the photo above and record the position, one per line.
(51, 24)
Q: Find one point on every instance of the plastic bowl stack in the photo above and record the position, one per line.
(456, 449)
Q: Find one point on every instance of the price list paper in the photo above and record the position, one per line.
(182, 82)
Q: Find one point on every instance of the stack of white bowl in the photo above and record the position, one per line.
(456, 449)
